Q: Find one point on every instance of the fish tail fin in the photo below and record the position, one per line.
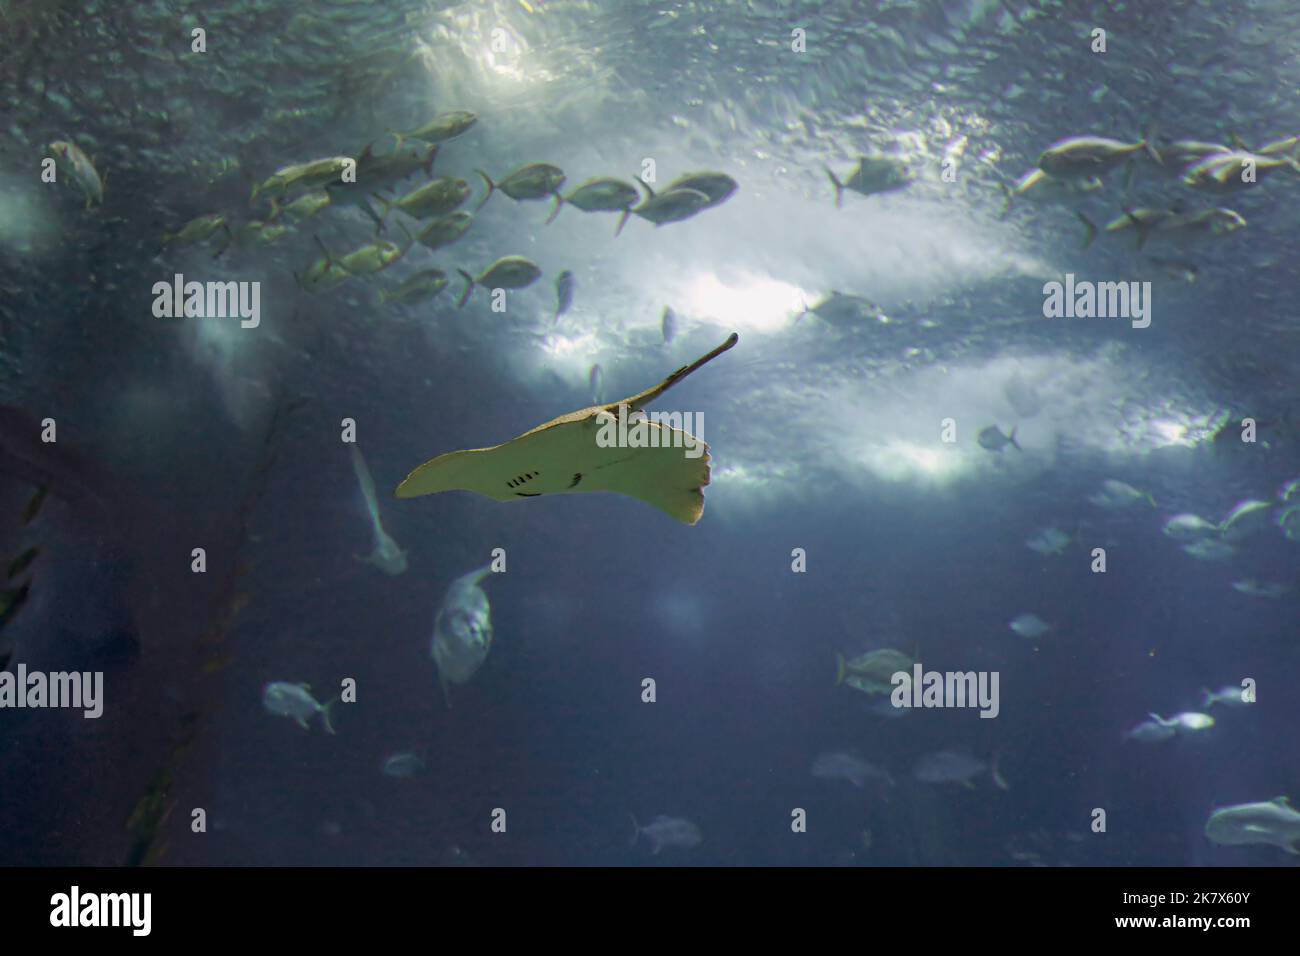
(839, 188)
(622, 221)
(399, 139)
(1007, 196)
(1090, 226)
(840, 669)
(469, 287)
(1149, 134)
(491, 188)
(329, 259)
(999, 781)
(1012, 438)
(34, 504)
(374, 217)
(1207, 698)
(428, 163)
(1143, 228)
(387, 207)
(636, 830)
(326, 716)
(559, 201)
(257, 190)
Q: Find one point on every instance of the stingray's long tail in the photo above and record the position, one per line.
(650, 394)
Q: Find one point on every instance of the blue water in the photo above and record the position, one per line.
(824, 426)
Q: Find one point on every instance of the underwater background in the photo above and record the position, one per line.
(862, 328)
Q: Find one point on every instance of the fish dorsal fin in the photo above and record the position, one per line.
(1281, 801)
(640, 400)
(476, 577)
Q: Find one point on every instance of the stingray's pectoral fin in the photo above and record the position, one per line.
(454, 471)
(664, 477)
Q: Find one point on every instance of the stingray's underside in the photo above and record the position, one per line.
(661, 465)
(562, 457)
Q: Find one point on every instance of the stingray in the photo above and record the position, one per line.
(563, 456)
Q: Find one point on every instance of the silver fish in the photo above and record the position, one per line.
(1154, 731)
(992, 439)
(252, 234)
(1189, 527)
(1208, 549)
(665, 831)
(1167, 225)
(668, 324)
(1232, 695)
(403, 765)
(1266, 589)
(371, 258)
(719, 187)
(564, 283)
(1038, 186)
(462, 631)
(1117, 494)
(1080, 157)
(441, 128)
(674, 205)
(302, 208)
(1180, 154)
(387, 556)
(197, 230)
(508, 272)
(1247, 518)
(1029, 626)
(850, 767)
(947, 766)
(324, 274)
(418, 287)
(444, 230)
(432, 199)
(1271, 823)
(534, 181)
(1225, 172)
(303, 176)
(76, 165)
(600, 195)
(295, 700)
(1048, 541)
(872, 175)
